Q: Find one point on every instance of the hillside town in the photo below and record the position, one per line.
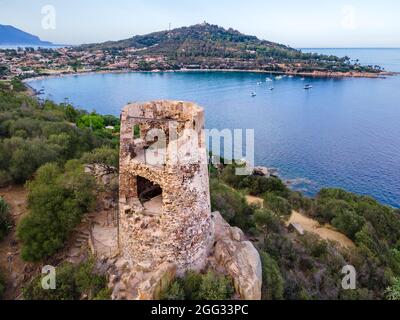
(29, 62)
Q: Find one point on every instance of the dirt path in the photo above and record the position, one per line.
(16, 270)
(325, 232)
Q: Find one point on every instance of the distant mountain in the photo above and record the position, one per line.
(10, 35)
(206, 46)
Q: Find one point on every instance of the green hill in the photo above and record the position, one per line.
(207, 46)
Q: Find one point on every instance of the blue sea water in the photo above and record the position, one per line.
(342, 133)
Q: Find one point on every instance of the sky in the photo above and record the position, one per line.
(298, 23)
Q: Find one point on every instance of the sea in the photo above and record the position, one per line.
(342, 133)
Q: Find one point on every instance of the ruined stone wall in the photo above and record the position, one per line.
(181, 232)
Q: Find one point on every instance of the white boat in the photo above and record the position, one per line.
(268, 80)
(308, 86)
(259, 83)
(290, 76)
(253, 94)
(278, 77)
(302, 79)
(271, 88)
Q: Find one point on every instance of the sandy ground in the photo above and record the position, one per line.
(325, 232)
(255, 200)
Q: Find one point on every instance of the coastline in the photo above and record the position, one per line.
(314, 74)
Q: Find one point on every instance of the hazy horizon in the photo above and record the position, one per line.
(309, 24)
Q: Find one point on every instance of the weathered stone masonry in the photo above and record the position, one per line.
(181, 230)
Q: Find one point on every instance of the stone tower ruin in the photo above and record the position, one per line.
(164, 199)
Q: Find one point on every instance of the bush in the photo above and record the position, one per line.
(273, 283)
(33, 134)
(5, 218)
(2, 285)
(57, 200)
(266, 220)
(393, 292)
(299, 202)
(215, 287)
(103, 155)
(348, 222)
(72, 283)
(195, 286)
(231, 204)
(255, 185)
(174, 292)
(277, 204)
(5, 178)
(93, 121)
(191, 285)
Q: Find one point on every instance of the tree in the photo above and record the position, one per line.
(393, 292)
(215, 287)
(93, 121)
(277, 204)
(2, 285)
(196, 286)
(273, 283)
(57, 200)
(231, 204)
(73, 283)
(174, 292)
(5, 218)
(103, 155)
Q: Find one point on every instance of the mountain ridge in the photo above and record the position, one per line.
(10, 35)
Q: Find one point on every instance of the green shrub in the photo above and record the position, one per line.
(195, 286)
(266, 220)
(34, 133)
(277, 204)
(231, 204)
(103, 155)
(72, 283)
(93, 121)
(299, 202)
(215, 287)
(191, 285)
(2, 285)
(255, 185)
(57, 200)
(273, 283)
(5, 178)
(174, 292)
(393, 292)
(348, 222)
(5, 218)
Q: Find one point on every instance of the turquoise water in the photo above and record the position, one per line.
(341, 133)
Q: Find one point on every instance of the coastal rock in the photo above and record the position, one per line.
(261, 171)
(157, 282)
(131, 283)
(238, 257)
